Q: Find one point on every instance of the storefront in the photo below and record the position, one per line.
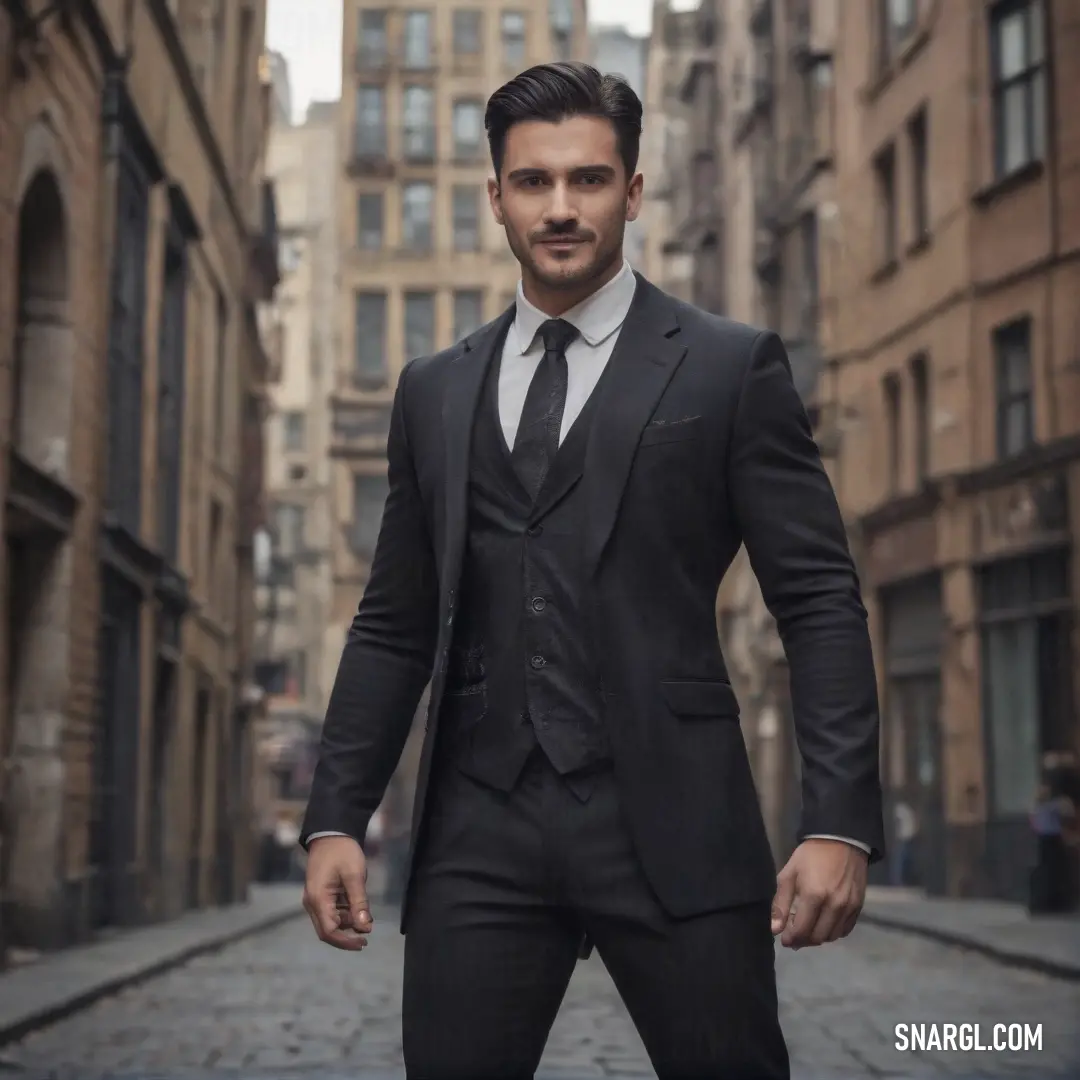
(1023, 585)
(912, 632)
(900, 566)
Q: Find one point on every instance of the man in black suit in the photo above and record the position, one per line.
(567, 488)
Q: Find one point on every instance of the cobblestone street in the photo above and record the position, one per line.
(280, 1004)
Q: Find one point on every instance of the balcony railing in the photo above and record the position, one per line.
(371, 61)
(369, 156)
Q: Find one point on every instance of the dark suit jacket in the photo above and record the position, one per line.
(700, 443)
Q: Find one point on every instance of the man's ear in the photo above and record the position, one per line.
(495, 199)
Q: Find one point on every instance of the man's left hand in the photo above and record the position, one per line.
(819, 893)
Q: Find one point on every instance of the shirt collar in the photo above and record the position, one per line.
(597, 317)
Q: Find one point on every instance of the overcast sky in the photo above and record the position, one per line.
(308, 33)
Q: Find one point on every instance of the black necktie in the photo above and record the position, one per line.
(537, 439)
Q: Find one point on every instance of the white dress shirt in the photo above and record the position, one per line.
(598, 319)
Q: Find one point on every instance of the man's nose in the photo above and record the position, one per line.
(560, 209)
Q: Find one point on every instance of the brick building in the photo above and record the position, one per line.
(951, 405)
(135, 242)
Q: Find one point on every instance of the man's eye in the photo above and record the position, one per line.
(592, 178)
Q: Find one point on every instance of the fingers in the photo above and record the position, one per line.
(807, 904)
(356, 899)
(333, 924)
(335, 897)
(785, 894)
(822, 916)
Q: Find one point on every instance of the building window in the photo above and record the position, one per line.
(893, 432)
(371, 48)
(1015, 420)
(171, 367)
(468, 32)
(221, 370)
(466, 213)
(289, 530)
(513, 38)
(562, 17)
(369, 499)
(370, 122)
(417, 216)
(369, 348)
(468, 312)
(1018, 84)
(898, 18)
(920, 392)
(126, 324)
(418, 112)
(885, 181)
(920, 176)
(468, 129)
(416, 40)
(369, 221)
(419, 324)
(293, 430)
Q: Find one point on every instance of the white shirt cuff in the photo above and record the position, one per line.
(865, 848)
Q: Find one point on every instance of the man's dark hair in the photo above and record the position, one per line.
(554, 92)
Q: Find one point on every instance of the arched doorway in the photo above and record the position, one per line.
(38, 518)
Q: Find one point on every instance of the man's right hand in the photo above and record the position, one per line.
(335, 893)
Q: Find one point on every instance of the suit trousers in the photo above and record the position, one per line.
(504, 887)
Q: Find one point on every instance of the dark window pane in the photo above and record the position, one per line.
(370, 343)
(418, 112)
(467, 31)
(417, 216)
(466, 213)
(419, 324)
(369, 498)
(513, 38)
(468, 312)
(416, 39)
(468, 129)
(370, 221)
(371, 48)
(370, 134)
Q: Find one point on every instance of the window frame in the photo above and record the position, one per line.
(1032, 79)
(1015, 332)
(367, 376)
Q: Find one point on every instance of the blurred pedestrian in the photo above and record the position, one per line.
(1053, 821)
(905, 830)
(567, 487)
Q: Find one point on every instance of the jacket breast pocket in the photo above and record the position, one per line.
(701, 699)
(660, 432)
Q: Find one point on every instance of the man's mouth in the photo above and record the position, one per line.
(562, 241)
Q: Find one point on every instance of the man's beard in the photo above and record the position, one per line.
(574, 275)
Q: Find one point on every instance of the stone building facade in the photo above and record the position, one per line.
(952, 399)
(298, 646)
(899, 201)
(134, 247)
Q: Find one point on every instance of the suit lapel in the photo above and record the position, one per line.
(464, 383)
(645, 357)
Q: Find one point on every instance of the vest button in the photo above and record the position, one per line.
(538, 661)
(534, 530)
(538, 603)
